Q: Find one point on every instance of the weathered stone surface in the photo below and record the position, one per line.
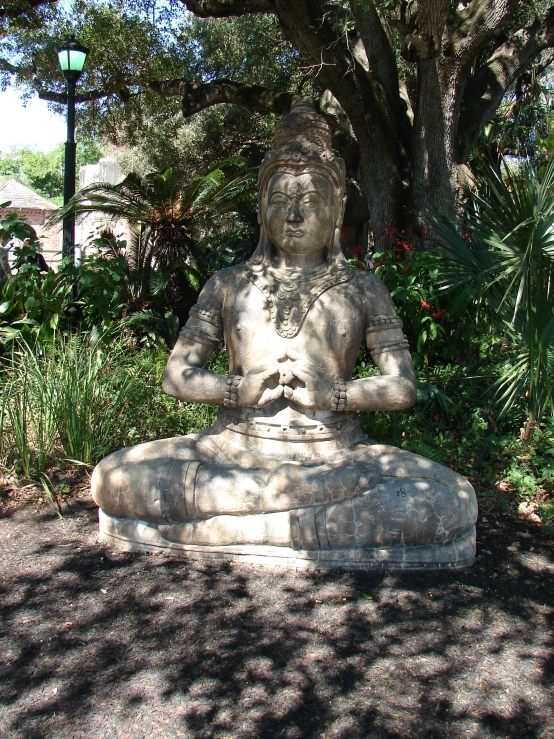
(285, 475)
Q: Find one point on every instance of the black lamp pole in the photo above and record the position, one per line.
(69, 173)
(72, 59)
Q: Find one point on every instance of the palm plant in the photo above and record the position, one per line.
(142, 283)
(507, 255)
(167, 216)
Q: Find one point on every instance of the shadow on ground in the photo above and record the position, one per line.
(100, 644)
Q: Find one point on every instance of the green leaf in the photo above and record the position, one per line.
(193, 280)
(32, 302)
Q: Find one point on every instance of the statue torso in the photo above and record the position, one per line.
(235, 309)
(330, 333)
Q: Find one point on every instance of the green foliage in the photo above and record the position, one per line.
(530, 475)
(35, 304)
(522, 124)
(43, 172)
(167, 211)
(437, 329)
(32, 303)
(154, 329)
(119, 279)
(73, 399)
(506, 256)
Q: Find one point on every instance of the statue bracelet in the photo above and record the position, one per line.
(338, 399)
(231, 397)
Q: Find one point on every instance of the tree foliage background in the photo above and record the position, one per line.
(43, 171)
(411, 88)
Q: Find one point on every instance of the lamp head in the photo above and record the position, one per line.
(72, 56)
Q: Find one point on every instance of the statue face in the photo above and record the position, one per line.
(301, 212)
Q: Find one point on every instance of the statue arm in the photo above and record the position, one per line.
(395, 389)
(184, 377)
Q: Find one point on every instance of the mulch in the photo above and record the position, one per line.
(100, 644)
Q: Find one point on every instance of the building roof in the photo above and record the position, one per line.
(23, 197)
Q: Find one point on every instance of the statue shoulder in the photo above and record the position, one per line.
(212, 295)
(374, 294)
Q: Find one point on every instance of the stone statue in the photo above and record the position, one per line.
(285, 475)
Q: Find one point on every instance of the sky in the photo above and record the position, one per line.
(32, 126)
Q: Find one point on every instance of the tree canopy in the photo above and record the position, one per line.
(43, 171)
(409, 86)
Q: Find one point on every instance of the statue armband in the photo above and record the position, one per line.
(204, 327)
(384, 334)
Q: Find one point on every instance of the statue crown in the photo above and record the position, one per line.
(303, 142)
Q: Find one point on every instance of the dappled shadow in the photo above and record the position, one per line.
(97, 643)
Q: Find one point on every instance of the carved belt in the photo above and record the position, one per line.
(302, 430)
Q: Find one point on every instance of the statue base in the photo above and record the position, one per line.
(130, 535)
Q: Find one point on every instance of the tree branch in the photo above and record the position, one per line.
(18, 8)
(228, 8)
(423, 36)
(82, 97)
(6, 66)
(484, 93)
(477, 25)
(380, 56)
(197, 97)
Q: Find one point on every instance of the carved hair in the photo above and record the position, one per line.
(302, 144)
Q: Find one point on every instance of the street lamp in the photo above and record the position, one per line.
(72, 58)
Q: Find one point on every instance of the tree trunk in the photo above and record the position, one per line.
(465, 57)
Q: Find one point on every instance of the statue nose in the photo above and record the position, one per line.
(294, 215)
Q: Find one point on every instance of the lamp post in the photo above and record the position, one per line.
(72, 58)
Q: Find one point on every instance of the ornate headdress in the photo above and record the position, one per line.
(302, 144)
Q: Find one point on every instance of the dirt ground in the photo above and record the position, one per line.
(99, 644)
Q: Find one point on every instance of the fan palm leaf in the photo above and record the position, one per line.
(507, 256)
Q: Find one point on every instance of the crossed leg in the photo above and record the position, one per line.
(379, 497)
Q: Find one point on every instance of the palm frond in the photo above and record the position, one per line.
(506, 256)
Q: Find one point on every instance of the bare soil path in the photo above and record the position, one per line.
(97, 644)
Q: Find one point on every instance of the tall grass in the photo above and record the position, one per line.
(28, 421)
(60, 399)
(77, 398)
(91, 385)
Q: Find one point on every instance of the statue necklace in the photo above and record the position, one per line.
(290, 293)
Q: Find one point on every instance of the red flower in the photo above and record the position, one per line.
(437, 417)
(439, 313)
(425, 304)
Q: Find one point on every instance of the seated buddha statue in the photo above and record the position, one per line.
(286, 475)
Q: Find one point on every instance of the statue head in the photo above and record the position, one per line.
(299, 158)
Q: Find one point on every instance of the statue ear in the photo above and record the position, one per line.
(263, 249)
